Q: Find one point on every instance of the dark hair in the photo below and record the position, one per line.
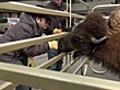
(46, 17)
(117, 1)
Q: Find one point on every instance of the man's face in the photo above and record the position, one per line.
(57, 1)
(42, 22)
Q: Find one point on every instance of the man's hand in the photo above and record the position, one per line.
(56, 30)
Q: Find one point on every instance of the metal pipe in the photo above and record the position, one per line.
(104, 6)
(86, 4)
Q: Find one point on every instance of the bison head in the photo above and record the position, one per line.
(86, 35)
(64, 44)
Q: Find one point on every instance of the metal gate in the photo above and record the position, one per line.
(39, 77)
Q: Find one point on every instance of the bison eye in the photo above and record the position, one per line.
(78, 39)
(81, 40)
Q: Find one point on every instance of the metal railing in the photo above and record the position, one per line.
(6, 47)
(39, 78)
(51, 80)
(104, 6)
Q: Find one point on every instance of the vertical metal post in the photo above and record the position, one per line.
(70, 6)
(67, 5)
(69, 70)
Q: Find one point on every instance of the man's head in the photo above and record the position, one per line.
(58, 2)
(42, 20)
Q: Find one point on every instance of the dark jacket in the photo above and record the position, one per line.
(26, 28)
(57, 21)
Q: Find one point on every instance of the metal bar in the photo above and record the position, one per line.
(38, 78)
(77, 70)
(8, 86)
(86, 4)
(67, 5)
(69, 62)
(104, 6)
(66, 60)
(17, 6)
(51, 61)
(66, 67)
(10, 46)
(70, 14)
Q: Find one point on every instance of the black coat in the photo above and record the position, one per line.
(56, 21)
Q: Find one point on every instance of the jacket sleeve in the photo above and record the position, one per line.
(25, 33)
(36, 50)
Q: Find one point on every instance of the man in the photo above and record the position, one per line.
(30, 26)
(56, 23)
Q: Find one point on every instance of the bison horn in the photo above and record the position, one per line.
(97, 41)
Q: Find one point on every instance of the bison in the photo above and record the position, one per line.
(97, 38)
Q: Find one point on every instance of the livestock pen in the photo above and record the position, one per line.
(38, 76)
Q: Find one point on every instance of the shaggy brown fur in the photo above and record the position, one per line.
(108, 51)
(114, 22)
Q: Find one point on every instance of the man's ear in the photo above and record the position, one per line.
(37, 19)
